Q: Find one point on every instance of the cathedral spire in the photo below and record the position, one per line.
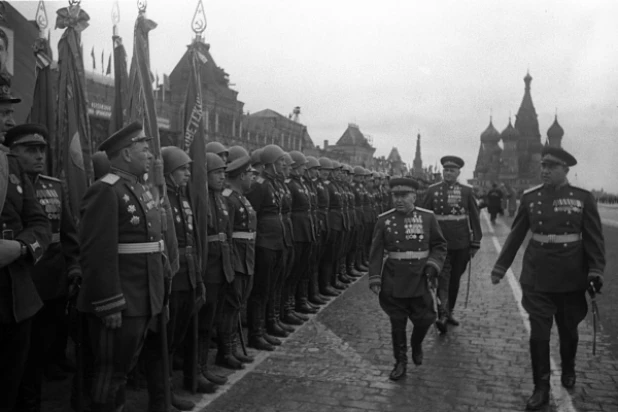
(418, 162)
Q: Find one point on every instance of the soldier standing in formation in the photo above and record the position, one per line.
(25, 237)
(57, 270)
(407, 253)
(565, 256)
(188, 293)
(458, 214)
(123, 287)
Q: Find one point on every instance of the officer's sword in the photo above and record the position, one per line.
(468, 287)
(596, 317)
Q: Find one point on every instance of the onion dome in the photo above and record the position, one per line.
(490, 134)
(555, 131)
(510, 133)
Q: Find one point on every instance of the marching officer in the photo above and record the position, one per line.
(218, 272)
(57, 270)
(407, 253)
(124, 285)
(25, 237)
(244, 224)
(266, 199)
(458, 214)
(188, 293)
(565, 256)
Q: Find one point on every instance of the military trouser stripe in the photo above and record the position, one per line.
(104, 354)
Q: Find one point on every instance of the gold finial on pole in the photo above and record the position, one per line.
(41, 16)
(116, 17)
(198, 24)
(141, 5)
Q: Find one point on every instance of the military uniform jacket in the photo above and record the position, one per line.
(313, 206)
(22, 219)
(556, 267)
(61, 259)
(302, 219)
(219, 264)
(335, 205)
(369, 207)
(244, 221)
(323, 205)
(189, 273)
(359, 197)
(286, 211)
(416, 231)
(349, 205)
(265, 198)
(457, 212)
(120, 209)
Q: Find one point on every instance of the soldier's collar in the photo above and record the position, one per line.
(557, 187)
(124, 174)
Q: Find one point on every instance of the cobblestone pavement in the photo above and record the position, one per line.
(340, 360)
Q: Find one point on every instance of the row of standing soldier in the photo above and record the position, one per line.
(281, 248)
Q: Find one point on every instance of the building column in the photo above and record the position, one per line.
(216, 122)
(234, 126)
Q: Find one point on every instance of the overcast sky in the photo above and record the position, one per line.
(395, 67)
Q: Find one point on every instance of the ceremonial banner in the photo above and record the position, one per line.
(194, 143)
(43, 110)
(72, 147)
(121, 83)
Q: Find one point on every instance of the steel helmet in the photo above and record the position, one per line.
(298, 158)
(271, 153)
(236, 152)
(336, 165)
(288, 159)
(216, 148)
(100, 164)
(214, 162)
(347, 168)
(359, 171)
(326, 163)
(173, 158)
(312, 162)
(256, 157)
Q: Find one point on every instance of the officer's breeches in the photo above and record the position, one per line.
(568, 309)
(116, 352)
(420, 310)
(181, 307)
(14, 346)
(450, 276)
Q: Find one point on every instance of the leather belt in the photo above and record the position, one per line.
(243, 235)
(219, 237)
(55, 238)
(137, 248)
(187, 250)
(410, 255)
(451, 217)
(568, 238)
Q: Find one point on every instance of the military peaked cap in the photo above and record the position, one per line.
(124, 137)
(26, 134)
(5, 91)
(452, 161)
(556, 155)
(403, 184)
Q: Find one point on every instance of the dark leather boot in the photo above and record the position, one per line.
(416, 341)
(156, 384)
(314, 290)
(214, 378)
(441, 323)
(226, 358)
(274, 329)
(329, 291)
(400, 352)
(271, 339)
(259, 343)
(272, 315)
(344, 279)
(451, 319)
(202, 384)
(304, 307)
(290, 319)
(568, 350)
(302, 317)
(338, 285)
(288, 328)
(541, 371)
(180, 403)
(302, 298)
(355, 273)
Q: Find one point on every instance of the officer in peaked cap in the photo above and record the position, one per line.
(407, 253)
(58, 268)
(25, 237)
(244, 225)
(564, 257)
(121, 257)
(458, 214)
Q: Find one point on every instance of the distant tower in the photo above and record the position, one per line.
(555, 134)
(509, 168)
(418, 162)
(296, 113)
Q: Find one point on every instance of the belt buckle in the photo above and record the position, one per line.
(551, 238)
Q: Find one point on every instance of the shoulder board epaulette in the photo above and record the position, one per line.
(260, 180)
(226, 192)
(327, 182)
(579, 188)
(387, 212)
(53, 179)
(465, 185)
(435, 184)
(110, 179)
(532, 189)
(288, 180)
(422, 209)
